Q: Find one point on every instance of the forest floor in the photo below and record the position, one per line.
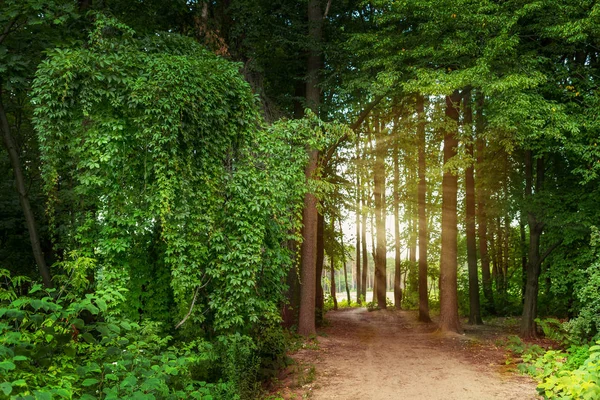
(389, 355)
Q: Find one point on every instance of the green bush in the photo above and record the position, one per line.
(581, 383)
(56, 344)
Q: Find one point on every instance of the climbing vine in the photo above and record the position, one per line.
(156, 165)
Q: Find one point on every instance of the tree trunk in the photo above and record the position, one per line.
(319, 297)
(523, 257)
(306, 324)
(332, 285)
(482, 200)
(15, 163)
(421, 204)
(474, 307)
(528, 327)
(358, 212)
(397, 260)
(380, 213)
(449, 263)
(345, 262)
(365, 255)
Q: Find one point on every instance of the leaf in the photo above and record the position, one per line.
(90, 382)
(42, 395)
(101, 305)
(7, 365)
(6, 388)
(88, 338)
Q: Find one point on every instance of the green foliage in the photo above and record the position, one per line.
(62, 343)
(372, 305)
(587, 323)
(580, 383)
(166, 177)
(570, 374)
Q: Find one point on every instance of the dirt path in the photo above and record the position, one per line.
(388, 355)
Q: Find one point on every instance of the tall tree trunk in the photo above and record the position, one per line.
(358, 212)
(15, 163)
(365, 255)
(345, 262)
(397, 260)
(380, 214)
(421, 204)
(474, 307)
(482, 200)
(506, 253)
(523, 256)
(449, 263)
(306, 324)
(332, 285)
(528, 327)
(319, 297)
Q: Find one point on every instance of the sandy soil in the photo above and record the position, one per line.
(389, 355)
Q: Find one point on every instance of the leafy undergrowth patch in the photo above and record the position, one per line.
(564, 369)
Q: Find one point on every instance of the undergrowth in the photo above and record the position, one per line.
(571, 372)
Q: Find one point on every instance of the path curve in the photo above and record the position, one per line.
(385, 355)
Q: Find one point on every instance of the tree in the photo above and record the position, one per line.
(421, 205)
(306, 324)
(474, 311)
(448, 263)
(40, 26)
(380, 214)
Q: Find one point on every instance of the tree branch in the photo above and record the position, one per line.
(354, 126)
(191, 306)
(6, 30)
(327, 9)
(550, 250)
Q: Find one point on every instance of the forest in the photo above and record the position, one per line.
(189, 187)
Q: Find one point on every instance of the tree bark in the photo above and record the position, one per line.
(306, 324)
(421, 205)
(482, 200)
(15, 163)
(397, 260)
(345, 262)
(528, 326)
(358, 212)
(523, 257)
(474, 306)
(332, 285)
(365, 255)
(449, 263)
(380, 213)
(319, 297)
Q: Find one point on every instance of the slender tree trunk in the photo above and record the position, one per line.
(482, 200)
(397, 260)
(345, 262)
(319, 297)
(449, 263)
(333, 293)
(15, 163)
(421, 204)
(528, 326)
(523, 257)
(474, 307)
(506, 253)
(358, 212)
(373, 253)
(306, 325)
(380, 213)
(365, 255)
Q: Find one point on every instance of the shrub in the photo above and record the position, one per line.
(56, 344)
